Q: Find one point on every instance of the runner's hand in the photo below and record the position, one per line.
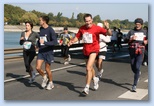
(106, 24)
(133, 37)
(22, 38)
(41, 41)
(70, 43)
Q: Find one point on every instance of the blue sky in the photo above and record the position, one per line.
(110, 11)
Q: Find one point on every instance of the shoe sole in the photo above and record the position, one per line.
(49, 89)
(84, 93)
(66, 63)
(133, 90)
(96, 89)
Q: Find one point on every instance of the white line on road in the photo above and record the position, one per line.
(146, 80)
(26, 76)
(138, 95)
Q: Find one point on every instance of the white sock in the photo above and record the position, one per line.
(87, 86)
(101, 70)
(94, 78)
(51, 82)
(44, 77)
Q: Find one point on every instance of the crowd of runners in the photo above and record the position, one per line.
(94, 39)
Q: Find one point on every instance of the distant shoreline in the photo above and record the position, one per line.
(21, 28)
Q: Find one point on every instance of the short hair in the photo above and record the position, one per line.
(45, 18)
(139, 20)
(30, 23)
(87, 15)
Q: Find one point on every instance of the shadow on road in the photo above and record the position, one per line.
(110, 81)
(24, 80)
(70, 86)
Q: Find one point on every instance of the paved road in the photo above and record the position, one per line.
(69, 80)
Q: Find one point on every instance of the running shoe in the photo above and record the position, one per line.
(100, 73)
(33, 74)
(145, 64)
(69, 57)
(96, 80)
(85, 91)
(50, 86)
(31, 80)
(44, 82)
(133, 88)
(66, 62)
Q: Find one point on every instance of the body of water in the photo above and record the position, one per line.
(11, 40)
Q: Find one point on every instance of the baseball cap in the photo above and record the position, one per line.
(65, 28)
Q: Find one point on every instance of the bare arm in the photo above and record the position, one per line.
(73, 41)
(106, 25)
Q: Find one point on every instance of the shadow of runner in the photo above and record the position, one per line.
(110, 81)
(24, 80)
(70, 86)
(13, 75)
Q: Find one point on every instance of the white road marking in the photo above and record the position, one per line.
(146, 80)
(141, 93)
(26, 76)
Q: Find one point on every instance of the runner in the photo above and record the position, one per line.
(28, 40)
(145, 60)
(46, 43)
(64, 40)
(114, 39)
(137, 42)
(102, 52)
(119, 37)
(90, 36)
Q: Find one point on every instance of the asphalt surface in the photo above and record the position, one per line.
(69, 80)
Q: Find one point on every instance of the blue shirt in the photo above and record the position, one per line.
(50, 35)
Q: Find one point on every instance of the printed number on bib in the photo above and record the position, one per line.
(27, 45)
(87, 38)
(139, 36)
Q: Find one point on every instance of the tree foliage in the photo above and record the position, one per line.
(14, 15)
(29, 16)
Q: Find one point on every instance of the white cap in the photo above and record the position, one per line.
(100, 24)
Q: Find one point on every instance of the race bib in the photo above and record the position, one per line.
(139, 36)
(27, 45)
(87, 38)
(44, 38)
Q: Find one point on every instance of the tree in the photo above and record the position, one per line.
(13, 13)
(97, 19)
(51, 16)
(58, 17)
(72, 16)
(38, 14)
(29, 16)
(80, 17)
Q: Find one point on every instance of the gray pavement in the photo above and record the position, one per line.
(69, 80)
